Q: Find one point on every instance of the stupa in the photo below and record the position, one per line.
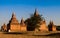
(51, 26)
(4, 27)
(23, 26)
(41, 23)
(43, 26)
(13, 25)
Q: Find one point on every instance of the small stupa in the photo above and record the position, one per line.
(51, 26)
(4, 27)
(23, 26)
(43, 26)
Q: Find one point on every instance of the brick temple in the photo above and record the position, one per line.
(15, 26)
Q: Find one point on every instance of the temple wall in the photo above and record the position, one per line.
(23, 28)
(15, 27)
(43, 27)
(54, 28)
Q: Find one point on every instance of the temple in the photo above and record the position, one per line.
(51, 26)
(42, 24)
(15, 26)
(4, 27)
(23, 26)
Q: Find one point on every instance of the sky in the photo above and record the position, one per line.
(50, 9)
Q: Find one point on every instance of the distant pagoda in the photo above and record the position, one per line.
(4, 27)
(13, 24)
(51, 26)
(23, 26)
(43, 26)
(41, 23)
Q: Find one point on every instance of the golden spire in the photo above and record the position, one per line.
(36, 12)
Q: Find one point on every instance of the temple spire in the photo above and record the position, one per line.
(51, 22)
(4, 24)
(22, 21)
(36, 12)
(13, 15)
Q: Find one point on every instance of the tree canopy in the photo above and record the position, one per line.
(33, 21)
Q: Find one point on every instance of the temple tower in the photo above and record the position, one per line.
(43, 26)
(41, 23)
(23, 26)
(51, 26)
(36, 13)
(13, 25)
(4, 27)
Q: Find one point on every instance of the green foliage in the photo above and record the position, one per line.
(33, 21)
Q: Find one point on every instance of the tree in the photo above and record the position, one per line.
(33, 21)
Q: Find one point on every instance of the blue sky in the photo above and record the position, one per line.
(50, 9)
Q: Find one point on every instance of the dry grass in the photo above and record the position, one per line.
(2, 35)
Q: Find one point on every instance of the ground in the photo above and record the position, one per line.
(4, 35)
